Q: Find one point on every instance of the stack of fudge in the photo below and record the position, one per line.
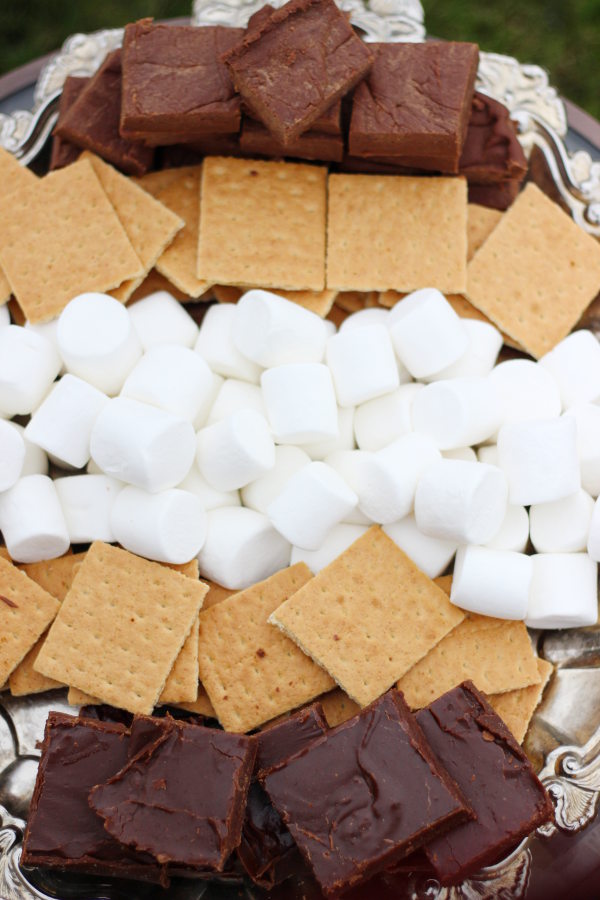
(296, 83)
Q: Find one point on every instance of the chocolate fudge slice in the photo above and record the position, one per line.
(491, 152)
(63, 152)
(256, 140)
(62, 831)
(364, 795)
(495, 196)
(182, 797)
(175, 87)
(493, 773)
(296, 64)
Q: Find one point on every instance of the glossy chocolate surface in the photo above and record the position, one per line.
(64, 152)
(491, 152)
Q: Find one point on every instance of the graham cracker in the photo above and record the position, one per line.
(251, 671)
(481, 221)
(216, 594)
(5, 554)
(154, 182)
(154, 282)
(63, 237)
(354, 301)
(202, 705)
(12, 177)
(516, 708)
(121, 627)
(396, 232)
(26, 610)
(319, 302)
(368, 617)
(262, 223)
(536, 273)
(25, 680)
(338, 707)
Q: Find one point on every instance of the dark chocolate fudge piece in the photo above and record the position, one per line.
(256, 140)
(493, 773)
(286, 739)
(364, 795)
(415, 102)
(63, 152)
(297, 64)
(495, 196)
(62, 831)
(491, 152)
(182, 796)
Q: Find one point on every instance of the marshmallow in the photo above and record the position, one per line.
(540, 460)
(466, 453)
(215, 344)
(29, 364)
(4, 316)
(86, 502)
(48, 330)
(32, 521)
(97, 341)
(271, 330)
(339, 539)
(593, 544)
(561, 526)
(380, 421)
(160, 319)
(343, 441)
(427, 334)
(12, 455)
(485, 342)
(459, 501)
(314, 500)
(362, 364)
(173, 378)
(142, 445)
(241, 548)
(210, 498)
(169, 527)
(348, 463)
(36, 461)
(587, 419)
(234, 395)
(458, 412)
(236, 450)
(492, 582)
(525, 390)
(373, 315)
(300, 402)
(514, 531)
(387, 480)
(564, 591)
(488, 454)
(209, 400)
(430, 554)
(575, 365)
(260, 494)
(63, 424)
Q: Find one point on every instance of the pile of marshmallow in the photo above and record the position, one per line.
(264, 437)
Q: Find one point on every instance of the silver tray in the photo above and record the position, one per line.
(564, 737)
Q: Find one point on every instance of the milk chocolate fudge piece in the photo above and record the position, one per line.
(62, 831)
(491, 152)
(175, 87)
(63, 152)
(495, 196)
(297, 64)
(364, 795)
(256, 140)
(182, 797)
(92, 122)
(494, 775)
(415, 102)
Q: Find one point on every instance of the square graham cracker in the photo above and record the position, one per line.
(319, 302)
(536, 273)
(63, 237)
(368, 617)
(396, 232)
(12, 177)
(338, 707)
(201, 705)
(516, 708)
(251, 672)
(262, 224)
(121, 628)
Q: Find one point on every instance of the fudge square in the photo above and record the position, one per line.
(296, 63)
(366, 794)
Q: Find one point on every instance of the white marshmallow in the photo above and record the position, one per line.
(458, 412)
(593, 544)
(561, 526)
(173, 378)
(587, 418)
(97, 341)
(241, 548)
(459, 501)
(339, 539)
(427, 334)
(36, 461)
(260, 494)
(430, 554)
(169, 527)
(210, 498)
(48, 330)
(236, 450)
(160, 319)
(514, 531)
(564, 591)
(234, 395)
(485, 342)
(380, 421)
(4, 316)
(209, 400)
(526, 391)
(142, 445)
(372, 315)
(12, 455)
(466, 453)
(314, 500)
(86, 502)
(271, 330)
(492, 582)
(29, 364)
(32, 521)
(215, 344)
(63, 424)
(343, 441)
(347, 463)
(540, 460)
(300, 402)
(488, 454)
(575, 365)
(387, 480)
(362, 364)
